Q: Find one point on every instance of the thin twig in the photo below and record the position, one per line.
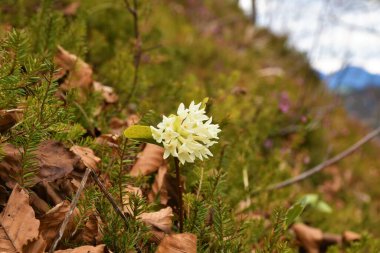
(74, 203)
(137, 51)
(322, 165)
(109, 197)
(179, 188)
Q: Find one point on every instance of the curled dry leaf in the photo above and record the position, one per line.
(149, 160)
(117, 126)
(10, 164)
(55, 160)
(178, 243)
(310, 238)
(349, 237)
(71, 9)
(85, 249)
(165, 187)
(87, 156)
(161, 220)
(91, 233)
(107, 92)
(9, 118)
(79, 73)
(159, 186)
(52, 220)
(19, 227)
(130, 190)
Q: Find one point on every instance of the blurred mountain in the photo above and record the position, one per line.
(364, 104)
(349, 79)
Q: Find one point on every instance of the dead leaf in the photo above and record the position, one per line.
(107, 92)
(4, 194)
(178, 243)
(349, 237)
(117, 125)
(55, 160)
(109, 140)
(130, 190)
(39, 205)
(10, 164)
(149, 160)
(310, 238)
(8, 119)
(158, 187)
(87, 156)
(133, 119)
(79, 72)
(18, 225)
(91, 232)
(52, 220)
(161, 220)
(71, 9)
(85, 249)
(165, 187)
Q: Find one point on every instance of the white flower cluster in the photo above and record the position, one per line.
(188, 134)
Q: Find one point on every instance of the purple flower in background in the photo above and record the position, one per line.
(284, 103)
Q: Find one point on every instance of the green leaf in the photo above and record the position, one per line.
(139, 133)
(314, 201)
(294, 212)
(323, 207)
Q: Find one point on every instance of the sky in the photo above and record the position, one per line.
(333, 33)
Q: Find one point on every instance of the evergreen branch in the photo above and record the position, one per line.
(322, 165)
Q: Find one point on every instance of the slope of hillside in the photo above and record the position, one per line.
(277, 118)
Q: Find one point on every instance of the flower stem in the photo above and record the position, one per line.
(179, 188)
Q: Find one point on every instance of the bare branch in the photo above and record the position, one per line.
(74, 203)
(322, 165)
(109, 197)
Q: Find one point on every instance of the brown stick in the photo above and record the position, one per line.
(179, 188)
(110, 198)
(322, 165)
(74, 203)
(137, 51)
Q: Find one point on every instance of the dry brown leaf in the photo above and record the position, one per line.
(10, 164)
(149, 160)
(52, 220)
(4, 194)
(310, 238)
(19, 227)
(109, 140)
(85, 249)
(349, 237)
(9, 119)
(87, 156)
(91, 233)
(159, 187)
(79, 72)
(107, 92)
(39, 205)
(178, 243)
(130, 190)
(133, 119)
(71, 9)
(55, 160)
(161, 220)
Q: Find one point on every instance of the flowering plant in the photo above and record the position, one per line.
(187, 135)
